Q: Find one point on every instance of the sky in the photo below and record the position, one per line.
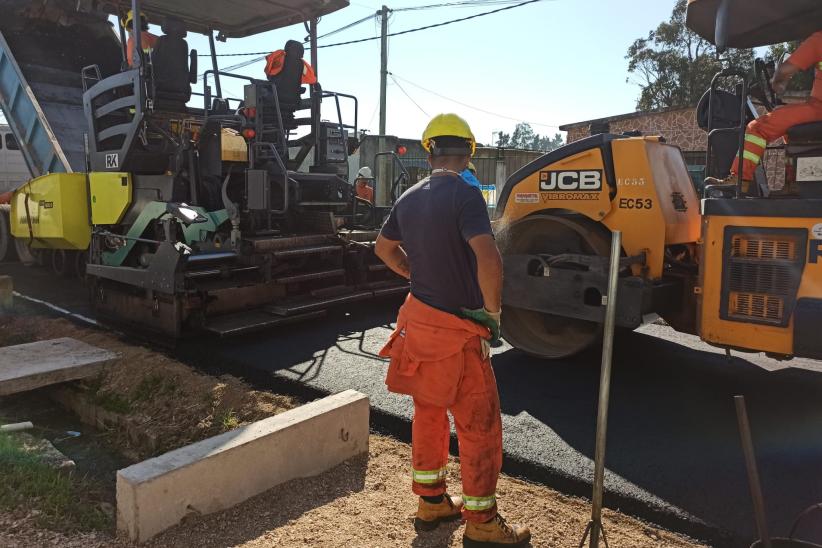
(548, 63)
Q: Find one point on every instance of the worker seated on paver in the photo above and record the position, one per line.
(773, 125)
(147, 40)
(439, 236)
(287, 70)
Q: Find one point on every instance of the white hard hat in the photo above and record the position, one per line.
(364, 172)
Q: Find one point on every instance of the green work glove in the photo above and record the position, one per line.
(491, 320)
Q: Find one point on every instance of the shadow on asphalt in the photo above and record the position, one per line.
(672, 426)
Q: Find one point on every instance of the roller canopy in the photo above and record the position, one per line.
(234, 18)
(753, 23)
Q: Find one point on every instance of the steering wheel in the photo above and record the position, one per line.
(764, 73)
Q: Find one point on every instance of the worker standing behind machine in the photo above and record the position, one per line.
(361, 186)
(773, 125)
(147, 39)
(439, 236)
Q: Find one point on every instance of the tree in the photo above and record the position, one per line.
(674, 66)
(524, 137)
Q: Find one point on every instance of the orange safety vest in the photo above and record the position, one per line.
(147, 41)
(274, 62)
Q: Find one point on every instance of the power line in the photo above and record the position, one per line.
(435, 25)
(484, 111)
(400, 33)
(463, 4)
(406, 94)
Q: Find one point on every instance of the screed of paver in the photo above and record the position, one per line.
(28, 366)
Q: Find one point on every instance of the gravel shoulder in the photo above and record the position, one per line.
(365, 502)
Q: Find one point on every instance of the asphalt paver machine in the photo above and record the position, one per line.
(742, 270)
(195, 211)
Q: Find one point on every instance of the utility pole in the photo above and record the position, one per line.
(384, 166)
(383, 66)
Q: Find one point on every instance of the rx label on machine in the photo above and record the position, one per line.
(816, 231)
(112, 161)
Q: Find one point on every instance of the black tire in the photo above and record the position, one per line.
(5, 235)
(546, 335)
(62, 262)
(26, 255)
(80, 260)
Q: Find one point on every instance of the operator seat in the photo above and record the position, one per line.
(289, 83)
(171, 70)
(803, 154)
(810, 132)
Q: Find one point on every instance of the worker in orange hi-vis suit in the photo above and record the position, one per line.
(773, 125)
(439, 236)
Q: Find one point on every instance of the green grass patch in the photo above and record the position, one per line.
(154, 385)
(65, 502)
(110, 401)
(229, 420)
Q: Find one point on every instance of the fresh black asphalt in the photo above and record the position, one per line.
(673, 455)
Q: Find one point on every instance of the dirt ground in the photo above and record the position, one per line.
(167, 403)
(365, 502)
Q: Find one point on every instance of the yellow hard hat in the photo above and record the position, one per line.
(450, 125)
(129, 18)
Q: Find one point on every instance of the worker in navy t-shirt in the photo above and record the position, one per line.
(439, 236)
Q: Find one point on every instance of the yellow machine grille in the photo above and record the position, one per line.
(762, 273)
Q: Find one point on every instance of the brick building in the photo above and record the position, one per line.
(679, 127)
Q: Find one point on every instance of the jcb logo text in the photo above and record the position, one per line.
(588, 181)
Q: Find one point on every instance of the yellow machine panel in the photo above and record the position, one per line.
(543, 189)
(234, 147)
(654, 203)
(52, 212)
(754, 271)
(110, 197)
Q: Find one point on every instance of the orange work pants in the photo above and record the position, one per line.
(436, 358)
(769, 128)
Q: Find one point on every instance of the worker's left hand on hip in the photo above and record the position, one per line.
(489, 319)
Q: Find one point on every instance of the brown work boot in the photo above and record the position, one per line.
(429, 515)
(495, 534)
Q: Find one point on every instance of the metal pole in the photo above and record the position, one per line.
(137, 32)
(214, 64)
(316, 97)
(383, 67)
(605, 390)
(753, 473)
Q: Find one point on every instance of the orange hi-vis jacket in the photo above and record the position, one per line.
(428, 352)
(147, 41)
(274, 62)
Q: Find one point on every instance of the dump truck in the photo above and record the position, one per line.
(740, 269)
(186, 209)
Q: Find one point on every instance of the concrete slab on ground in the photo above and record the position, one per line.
(25, 367)
(222, 471)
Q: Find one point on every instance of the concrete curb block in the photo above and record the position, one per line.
(220, 472)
